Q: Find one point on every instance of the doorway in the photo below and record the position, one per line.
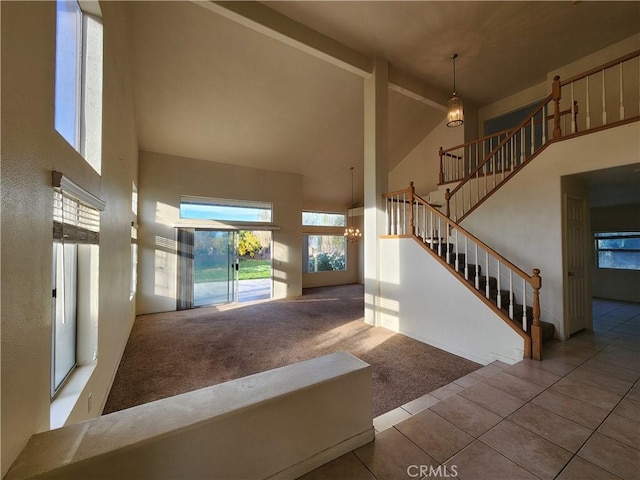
(214, 267)
(229, 266)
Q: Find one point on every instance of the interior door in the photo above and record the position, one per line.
(215, 266)
(576, 264)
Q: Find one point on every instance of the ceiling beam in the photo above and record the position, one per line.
(260, 18)
(402, 82)
(267, 21)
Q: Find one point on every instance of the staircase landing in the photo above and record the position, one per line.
(576, 414)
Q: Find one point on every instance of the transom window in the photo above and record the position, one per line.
(223, 209)
(323, 219)
(618, 250)
(78, 79)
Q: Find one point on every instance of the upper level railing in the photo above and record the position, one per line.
(499, 281)
(608, 95)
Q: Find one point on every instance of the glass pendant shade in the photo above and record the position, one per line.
(455, 111)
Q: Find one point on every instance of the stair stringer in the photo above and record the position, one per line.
(422, 299)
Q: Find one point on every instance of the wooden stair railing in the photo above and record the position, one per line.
(509, 151)
(494, 279)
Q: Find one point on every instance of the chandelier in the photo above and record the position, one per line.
(455, 110)
(352, 233)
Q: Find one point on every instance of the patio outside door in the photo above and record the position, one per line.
(215, 263)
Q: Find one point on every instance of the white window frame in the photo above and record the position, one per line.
(88, 84)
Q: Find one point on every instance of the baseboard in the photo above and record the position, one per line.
(518, 355)
(324, 457)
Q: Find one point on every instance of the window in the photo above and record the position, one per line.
(618, 250)
(222, 209)
(324, 244)
(324, 253)
(78, 79)
(323, 219)
(76, 235)
(134, 241)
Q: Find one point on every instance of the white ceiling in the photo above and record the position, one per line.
(207, 87)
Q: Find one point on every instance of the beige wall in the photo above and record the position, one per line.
(608, 283)
(164, 178)
(422, 165)
(31, 149)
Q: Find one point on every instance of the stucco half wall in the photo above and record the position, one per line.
(423, 300)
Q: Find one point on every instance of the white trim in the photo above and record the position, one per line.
(91, 7)
(69, 395)
(72, 189)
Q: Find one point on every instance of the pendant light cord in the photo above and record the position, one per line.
(453, 57)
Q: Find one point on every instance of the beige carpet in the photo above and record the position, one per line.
(175, 352)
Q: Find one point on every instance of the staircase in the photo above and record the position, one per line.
(511, 293)
(473, 171)
(499, 298)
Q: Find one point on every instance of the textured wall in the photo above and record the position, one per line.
(31, 149)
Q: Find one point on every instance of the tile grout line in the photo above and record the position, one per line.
(596, 431)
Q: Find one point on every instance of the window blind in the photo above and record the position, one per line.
(76, 212)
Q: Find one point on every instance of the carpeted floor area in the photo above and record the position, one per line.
(175, 352)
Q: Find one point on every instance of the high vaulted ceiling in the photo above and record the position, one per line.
(210, 87)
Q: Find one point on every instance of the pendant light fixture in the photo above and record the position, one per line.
(350, 232)
(455, 110)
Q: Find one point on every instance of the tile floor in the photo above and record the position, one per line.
(575, 415)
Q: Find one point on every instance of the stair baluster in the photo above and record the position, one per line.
(466, 259)
(604, 99)
(477, 269)
(621, 93)
(499, 296)
(511, 295)
(524, 305)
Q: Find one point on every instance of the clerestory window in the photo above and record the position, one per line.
(78, 78)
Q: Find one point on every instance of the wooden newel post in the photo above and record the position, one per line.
(556, 95)
(441, 176)
(447, 197)
(536, 328)
(412, 192)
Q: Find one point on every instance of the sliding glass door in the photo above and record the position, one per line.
(65, 282)
(215, 263)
